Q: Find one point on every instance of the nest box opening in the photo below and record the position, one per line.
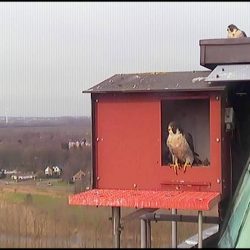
(193, 115)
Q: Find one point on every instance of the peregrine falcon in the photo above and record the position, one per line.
(181, 147)
(234, 32)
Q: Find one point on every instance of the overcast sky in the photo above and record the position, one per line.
(52, 51)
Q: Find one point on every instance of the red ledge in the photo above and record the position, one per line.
(186, 200)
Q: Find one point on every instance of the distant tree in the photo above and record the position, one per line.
(67, 174)
(40, 143)
(40, 174)
(2, 174)
(65, 145)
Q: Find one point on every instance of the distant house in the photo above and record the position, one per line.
(10, 172)
(56, 171)
(78, 176)
(48, 171)
(83, 142)
(23, 177)
(78, 144)
(71, 144)
(53, 171)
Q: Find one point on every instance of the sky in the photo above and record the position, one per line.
(51, 51)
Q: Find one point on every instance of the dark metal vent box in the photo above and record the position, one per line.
(215, 52)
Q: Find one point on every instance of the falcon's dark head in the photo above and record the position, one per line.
(231, 27)
(173, 126)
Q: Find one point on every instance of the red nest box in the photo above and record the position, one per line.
(130, 118)
(130, 115)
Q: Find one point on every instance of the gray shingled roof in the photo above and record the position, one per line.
(156, 82)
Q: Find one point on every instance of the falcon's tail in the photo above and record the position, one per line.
(197, 160)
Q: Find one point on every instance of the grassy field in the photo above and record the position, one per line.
(34, 214)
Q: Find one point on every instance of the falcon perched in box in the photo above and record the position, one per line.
(181, 147)
(234, 32)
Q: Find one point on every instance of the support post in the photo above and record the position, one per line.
(143, 234)
(174, 229)
(148, 230)
(199, 229)
(116, 216)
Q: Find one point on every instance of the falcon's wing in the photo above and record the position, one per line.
(189, 140)
(244, 33)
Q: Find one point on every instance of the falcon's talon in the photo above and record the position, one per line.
(176, 166)
(186, 165)
(171, 165)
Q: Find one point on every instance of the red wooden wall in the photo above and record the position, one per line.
(127, 143)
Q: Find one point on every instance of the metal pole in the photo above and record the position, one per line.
(148, 229)
(174, 229)
(143, 234)
(116, 216)
(199, 229)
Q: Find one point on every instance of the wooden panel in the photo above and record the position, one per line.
(128, 147)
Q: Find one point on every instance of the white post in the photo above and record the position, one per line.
(143, 234)
(199, 229)
(116, 215)
(174, 230)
